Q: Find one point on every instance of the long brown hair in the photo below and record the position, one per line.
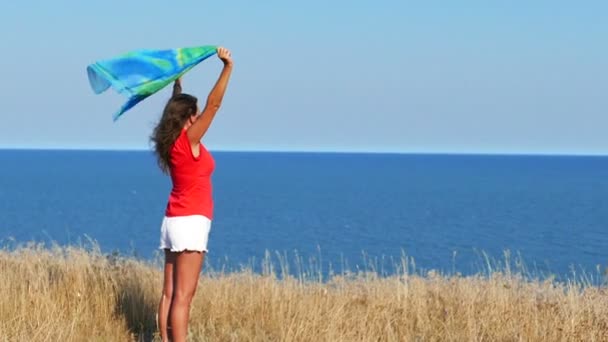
(177, 111)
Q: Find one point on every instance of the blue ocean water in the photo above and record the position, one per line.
(340, 210)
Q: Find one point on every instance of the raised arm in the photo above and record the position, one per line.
(177, 87)
(214, 100)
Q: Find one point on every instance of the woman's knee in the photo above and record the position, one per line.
(183, 296)
(168, 292)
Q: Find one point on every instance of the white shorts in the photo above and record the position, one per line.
(180, 233)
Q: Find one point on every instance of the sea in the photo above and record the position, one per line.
(326, 213)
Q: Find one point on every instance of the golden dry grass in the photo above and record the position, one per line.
(73, 294)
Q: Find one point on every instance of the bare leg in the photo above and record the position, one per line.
(165, 299)
(187, 270)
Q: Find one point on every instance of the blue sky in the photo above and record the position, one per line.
(397, 76)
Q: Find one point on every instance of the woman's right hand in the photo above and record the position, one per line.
(224, 55)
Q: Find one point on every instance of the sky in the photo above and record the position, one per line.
(360, 76)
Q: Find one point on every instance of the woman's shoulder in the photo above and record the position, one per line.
(181, 142)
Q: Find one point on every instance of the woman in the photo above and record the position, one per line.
(189, 211)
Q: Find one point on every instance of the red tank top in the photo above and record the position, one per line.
(191, 177)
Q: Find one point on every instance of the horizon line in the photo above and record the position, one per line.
(312, 151)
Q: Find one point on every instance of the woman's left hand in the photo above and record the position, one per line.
(177, 86)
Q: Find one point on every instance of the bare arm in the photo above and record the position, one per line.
(177, 87)
(214, 101)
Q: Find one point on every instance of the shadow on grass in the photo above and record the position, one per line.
(138, 309)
